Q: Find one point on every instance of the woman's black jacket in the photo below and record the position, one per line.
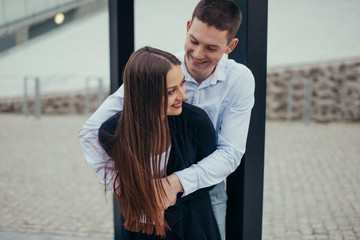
(193, 138)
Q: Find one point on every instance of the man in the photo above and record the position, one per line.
(222, 87)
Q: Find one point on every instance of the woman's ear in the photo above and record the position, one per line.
(231, 46)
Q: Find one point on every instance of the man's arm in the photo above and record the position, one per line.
(231, 144)
(95, 155)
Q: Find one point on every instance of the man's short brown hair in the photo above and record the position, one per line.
(222, 14)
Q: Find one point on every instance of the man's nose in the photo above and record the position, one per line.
(198, 53)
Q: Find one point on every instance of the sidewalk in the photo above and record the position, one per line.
(311, 188)
(47, 189)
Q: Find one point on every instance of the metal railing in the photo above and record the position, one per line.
(100, 93)
(35, 86)
(37, 102)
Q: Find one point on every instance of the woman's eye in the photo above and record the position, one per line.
(171, 92)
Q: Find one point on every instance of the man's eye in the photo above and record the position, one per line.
(211, 49)
(194, 42)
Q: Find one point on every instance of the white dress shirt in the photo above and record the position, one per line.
(227, 96)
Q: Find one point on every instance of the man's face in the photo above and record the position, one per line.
(204, 47)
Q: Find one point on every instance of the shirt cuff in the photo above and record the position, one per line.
(188, 180)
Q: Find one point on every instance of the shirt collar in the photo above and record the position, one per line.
(217, 75)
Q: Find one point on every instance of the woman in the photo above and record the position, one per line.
(155, 135)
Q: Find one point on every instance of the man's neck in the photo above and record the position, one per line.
(199, 77)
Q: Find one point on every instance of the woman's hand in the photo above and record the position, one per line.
(172, 187)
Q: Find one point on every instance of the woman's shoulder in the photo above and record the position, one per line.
(200, 127)
(196, 116)
(194, 113)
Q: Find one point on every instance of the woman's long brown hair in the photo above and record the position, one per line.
(142, 135)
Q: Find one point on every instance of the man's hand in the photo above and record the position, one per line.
(172, 187)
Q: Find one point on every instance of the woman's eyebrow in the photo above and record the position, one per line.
(182, 80)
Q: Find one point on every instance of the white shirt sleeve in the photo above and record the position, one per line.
(95, 155)
(231, 144)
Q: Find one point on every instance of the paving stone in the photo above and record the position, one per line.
(49, 192)
(312, 171)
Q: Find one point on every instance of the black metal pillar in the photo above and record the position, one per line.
(245, 185)
(121, 23)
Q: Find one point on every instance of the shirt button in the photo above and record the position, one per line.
(197, 90)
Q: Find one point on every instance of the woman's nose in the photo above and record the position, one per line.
(182, 94)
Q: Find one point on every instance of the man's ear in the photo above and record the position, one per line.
(231, 45)
(188, 24)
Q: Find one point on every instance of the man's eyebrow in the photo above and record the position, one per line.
(209, 45)
(192, 36)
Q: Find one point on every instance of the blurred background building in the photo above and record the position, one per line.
(313, 53)
(22, 20)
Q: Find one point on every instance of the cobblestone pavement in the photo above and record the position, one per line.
(312, 181)
(47, 188)
(47, 191)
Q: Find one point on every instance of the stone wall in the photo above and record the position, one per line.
(335, 91)
(52, 104)
(335, 94)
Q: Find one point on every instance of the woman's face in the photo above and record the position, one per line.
(175, 90)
